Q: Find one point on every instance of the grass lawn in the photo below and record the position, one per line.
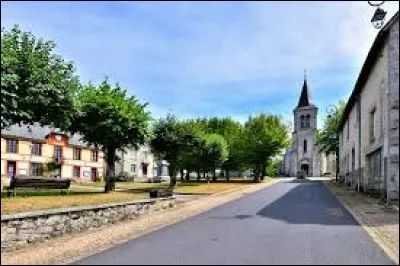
(81, 194)
(50, 199)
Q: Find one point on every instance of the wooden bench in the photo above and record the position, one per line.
(161, 193)
(37, 183)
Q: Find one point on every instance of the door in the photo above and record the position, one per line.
(144, 169)
(93, 174)
(304, 167)
(11, 168)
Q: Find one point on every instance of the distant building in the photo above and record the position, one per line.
(28, 150)
(140, 164)
(369, 127)
(303, 155)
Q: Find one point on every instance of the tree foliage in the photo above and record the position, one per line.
(327, 139)
(108, 118)
(264, 136)
(36, 84)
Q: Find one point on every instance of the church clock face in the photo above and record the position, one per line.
(58, 137)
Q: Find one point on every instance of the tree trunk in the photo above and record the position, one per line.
(198, 175)
(263, 173)
(110, 173)
(214, 176)
(227, 175)
(187, 175)
(256, 176)
(172, 174)
(182, 175)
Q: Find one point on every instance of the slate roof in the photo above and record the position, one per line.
(305, 99)
(37, 132)
(367, 68)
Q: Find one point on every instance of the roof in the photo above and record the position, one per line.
(367, 68)
(304, 96)
(37, 132)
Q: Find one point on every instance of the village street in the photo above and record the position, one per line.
(292, 222)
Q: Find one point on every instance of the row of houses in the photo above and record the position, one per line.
(369, 127)
(42, 150)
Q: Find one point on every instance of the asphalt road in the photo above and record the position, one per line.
(288, 223)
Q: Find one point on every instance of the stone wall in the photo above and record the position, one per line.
(393, 113)
(21, 229)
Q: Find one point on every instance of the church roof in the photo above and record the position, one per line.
(305, 96)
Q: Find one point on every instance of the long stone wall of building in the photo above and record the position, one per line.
(22, 229)
(393, 114)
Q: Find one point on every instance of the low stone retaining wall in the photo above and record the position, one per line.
(21, 229)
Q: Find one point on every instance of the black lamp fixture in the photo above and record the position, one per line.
(378, 19)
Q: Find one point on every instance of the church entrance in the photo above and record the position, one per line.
(305, 168)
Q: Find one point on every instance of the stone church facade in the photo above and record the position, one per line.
(303, 154)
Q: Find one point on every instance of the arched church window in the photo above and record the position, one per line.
(305, 146)
(308, 118)
(302, 121)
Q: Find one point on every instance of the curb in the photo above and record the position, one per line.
(373, 233)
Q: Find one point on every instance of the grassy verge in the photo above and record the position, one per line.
(45, 199)
(81, 194)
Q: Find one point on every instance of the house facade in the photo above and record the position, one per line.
(369, 127)
(140, 164)
(44, 151)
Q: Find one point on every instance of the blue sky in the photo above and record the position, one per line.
(210, 58)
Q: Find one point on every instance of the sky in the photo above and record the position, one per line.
(203, 59)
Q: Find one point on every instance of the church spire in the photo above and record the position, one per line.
(305, 95)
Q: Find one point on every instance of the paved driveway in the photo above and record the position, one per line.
(288, 223)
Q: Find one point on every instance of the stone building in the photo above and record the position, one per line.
(369, 127)
(26, 150)
(140, 165)
(303, 154)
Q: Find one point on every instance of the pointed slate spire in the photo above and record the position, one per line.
(305, 95)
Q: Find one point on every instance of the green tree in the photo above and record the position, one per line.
(215, 153)
(232, 131)
(190, 157)
(264, 137)
(110, 119)
(36, 84)
(170, 142)
(327, 139)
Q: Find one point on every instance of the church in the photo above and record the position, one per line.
(303, 155)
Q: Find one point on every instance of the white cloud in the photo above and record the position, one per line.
(203, 58)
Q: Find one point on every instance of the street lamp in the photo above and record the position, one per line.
(331, 110)
(378, 19)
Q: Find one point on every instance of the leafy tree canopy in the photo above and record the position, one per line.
(37, 85)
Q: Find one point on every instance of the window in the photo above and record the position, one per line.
(77, 154)
(305, 146)
(374, 163)
(302, 121)
(35, 169)
(36, 149)
(348, 129)
(12, 146)
(353, 159)
(94, 156)
(76, 172)
(58, 153)
(133, 168)
(308, 119)
(373, 121)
